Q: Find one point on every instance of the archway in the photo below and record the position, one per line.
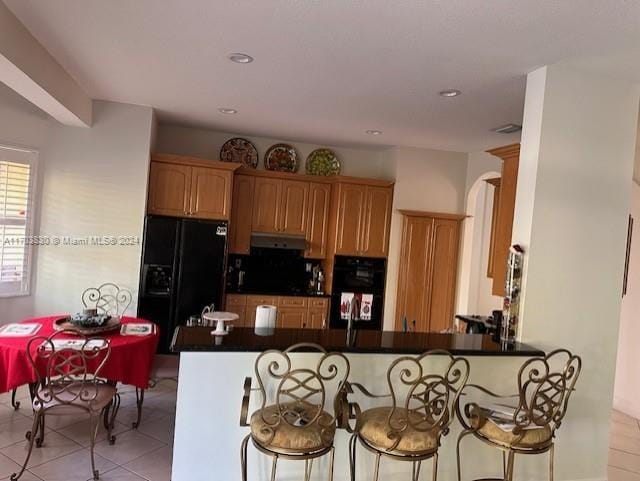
(474, 287)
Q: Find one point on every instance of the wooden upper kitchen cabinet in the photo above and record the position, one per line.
(280, 206)
(182, 186)
(351, 200)
(294, 204)
(510, 155)
(363, 220)
(241, 213)
(427, 271)
(318, 220)
(211, 193)
(377, 222)
(266, 204)
(169, 189)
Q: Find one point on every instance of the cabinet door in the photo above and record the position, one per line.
(414, 280)
(169, 188)
(292, 317)
(253, 302)
(267, 193)
(377, 222)
(351, 201)
(210, 193)
(294, 203)
(318, 220)
(444, 270)
(241, 211)
(316, 319)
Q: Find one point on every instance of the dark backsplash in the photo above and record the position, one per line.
(270, 271)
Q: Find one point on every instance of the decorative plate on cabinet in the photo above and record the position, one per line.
(322, 162)
(282, 158)
(239, 150)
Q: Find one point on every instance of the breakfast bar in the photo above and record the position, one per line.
(208, 434)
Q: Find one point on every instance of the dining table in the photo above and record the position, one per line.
(130, 360)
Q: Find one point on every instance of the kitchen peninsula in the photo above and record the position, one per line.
(213, 369)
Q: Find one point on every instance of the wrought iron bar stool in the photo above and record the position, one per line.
(297, 418)
(528, 423)
(423, 391)
(69, 383)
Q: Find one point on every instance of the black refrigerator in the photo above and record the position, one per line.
(183, 270)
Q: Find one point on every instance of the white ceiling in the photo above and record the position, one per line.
(327, 70)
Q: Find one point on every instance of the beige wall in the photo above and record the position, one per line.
(172, 139)
(427, 180)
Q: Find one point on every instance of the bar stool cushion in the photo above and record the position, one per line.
(530, 438)
(374, 429)
(294, 436)
(69, 401)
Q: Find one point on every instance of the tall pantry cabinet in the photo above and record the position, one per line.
(427, 270)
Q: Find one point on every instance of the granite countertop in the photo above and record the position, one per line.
(256, 292)
(242, 339)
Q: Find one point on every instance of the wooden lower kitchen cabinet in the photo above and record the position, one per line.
(237, 303)
(427, 271)
(293, 311)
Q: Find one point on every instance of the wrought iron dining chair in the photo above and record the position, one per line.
(107, 298)
(69, 383)
(528, 423)
(423, 391)
(297, 418)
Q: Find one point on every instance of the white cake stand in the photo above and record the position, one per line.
(220, 317)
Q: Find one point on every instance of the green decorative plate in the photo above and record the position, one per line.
(281, 158)
(322, 162)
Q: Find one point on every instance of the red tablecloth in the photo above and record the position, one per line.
(129, 363)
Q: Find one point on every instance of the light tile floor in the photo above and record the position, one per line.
(624, 448)
(138, 455)
(146, 453)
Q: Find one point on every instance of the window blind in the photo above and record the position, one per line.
(16, 192)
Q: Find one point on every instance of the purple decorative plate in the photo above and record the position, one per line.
(239, 150)
(282, 158)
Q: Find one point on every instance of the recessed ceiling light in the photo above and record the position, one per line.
(228, 111)
(374, 132)
(508, 129)
(449, 93)
(240, 58)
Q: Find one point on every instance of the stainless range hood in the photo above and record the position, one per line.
(278, 241)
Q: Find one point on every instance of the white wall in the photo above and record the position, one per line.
(626, 395)
(572, 204)
(427, 180)
(173, 139)
(93, 184)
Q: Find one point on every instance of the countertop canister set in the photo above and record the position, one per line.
(297, 417)
(280, 157)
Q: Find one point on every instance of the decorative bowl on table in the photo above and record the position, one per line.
(88, 322)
